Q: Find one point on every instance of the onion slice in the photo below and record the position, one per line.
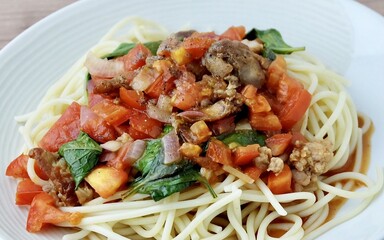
(135, 150)
(171, 147)
(158, 114)
(103, 67)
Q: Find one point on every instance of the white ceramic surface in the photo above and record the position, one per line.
(345, 35)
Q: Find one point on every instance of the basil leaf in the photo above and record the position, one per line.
(242, 137)
(273, 42)
(152, 151)
(81, 155)
(124, 48)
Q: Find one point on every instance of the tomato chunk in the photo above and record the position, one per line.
(253, 172)
(245, 155)
(26, 191)
(278, 143)
(196, 46)
(234, 33)
(132, 98)
(280, 183)
(96, 127)
(219, 152)
(18, 168)
(64, 130)
(144, 124)
(113, 113)
(264, 121)
(43, 211)
(135, 58)
(106, 180)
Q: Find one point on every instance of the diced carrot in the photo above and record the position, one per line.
(219, 152)
(245, 155)
(278, 143)
(280, 183)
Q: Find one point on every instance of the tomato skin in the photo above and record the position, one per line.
(132, 98)
(196, 45)
(234, 33)
(26, 191)
(64, 130)
(295, 108)
(18, 168)
(135, 58)
(96, 127)
(281, 183)
(278, 143)
(219, 152)
(140, 122)
(245, 155)
(43, 211)
(113, 113)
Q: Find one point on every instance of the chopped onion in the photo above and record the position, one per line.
(135, 150)
(103, 67)
(158, 114)
(112, 146)
(164, 103)
(144, 79)
(171, 147)
(192, 115)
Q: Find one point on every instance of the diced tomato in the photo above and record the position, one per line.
(223, 125)
(96, 127)
(234, 33)
(94, 98)
(18, 168)
(156, 88)
(26, 191)
(132, 98)
(278, 143)
(294, 109)
(144, 124)
(249, 91)
(297, 136)
(264, 121)
(119, 161)
(280, 183)
(245, 155)
(219, 152)
(135, 58)
(64, 130)
(197, 46)
(253, 172)
(113, 113)
(256, 102)
(43, 211)
(106, 180)
(135, 134)
(165, 83)
(187, 93)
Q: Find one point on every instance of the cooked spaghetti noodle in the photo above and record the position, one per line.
(241, 208)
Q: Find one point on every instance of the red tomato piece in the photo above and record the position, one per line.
(187, 93)
(132, 98)
(135, 58)
(219, 152)
(119, 160)
(64, 130)
(43, 211)
(253, 172)
(146, 125)
(26, 191)
(278, 143)
(245, 155)
(113, 113)
(234, 33)
(96, 127)
(264, 121)
(197, 46)
(18, 168)
(280, 183)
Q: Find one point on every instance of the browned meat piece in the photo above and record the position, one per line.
(172, 42)
(63, 185)
(111, 85)
(197, 69)
(227, 57)
(310, 160)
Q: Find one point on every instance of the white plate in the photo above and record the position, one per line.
(345, 35)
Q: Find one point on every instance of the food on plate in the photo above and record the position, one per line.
(236, 135)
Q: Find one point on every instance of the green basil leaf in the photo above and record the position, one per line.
(242, 137)
(124, 48)
(81, 155)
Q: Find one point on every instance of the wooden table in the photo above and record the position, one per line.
(18, 15)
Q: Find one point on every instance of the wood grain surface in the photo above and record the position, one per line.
(18, 15)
